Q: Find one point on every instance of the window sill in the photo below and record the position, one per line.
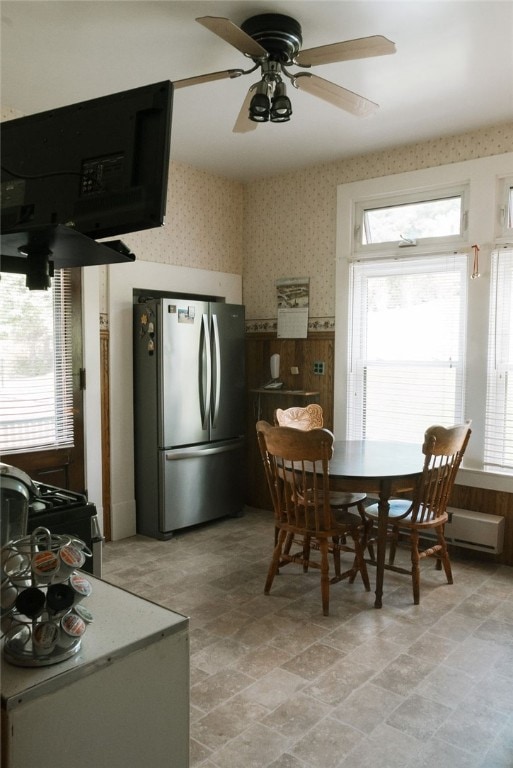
(478, 478)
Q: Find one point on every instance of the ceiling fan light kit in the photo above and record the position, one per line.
(260, 106)
(281, 109)
(273, 42)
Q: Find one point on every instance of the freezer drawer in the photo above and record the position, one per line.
(200, 483)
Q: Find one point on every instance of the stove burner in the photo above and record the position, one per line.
(37, 506)
(49, 497)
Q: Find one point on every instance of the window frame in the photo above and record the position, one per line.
(63, 467)
(482, 175)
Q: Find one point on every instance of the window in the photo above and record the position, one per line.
(36, 382)
(406, 346)
(506, 207)
(411, 220)
(404, 356)
(499, 402)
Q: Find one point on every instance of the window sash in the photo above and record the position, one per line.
(432, 236)
(406, 346)
(505, 193)
(411, 222)
(36, 387)
(498, 452)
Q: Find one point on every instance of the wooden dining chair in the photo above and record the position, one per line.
(300, 417)
(311, 417)
(296, 464)
(443, 451)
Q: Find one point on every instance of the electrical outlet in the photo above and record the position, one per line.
(294, 370)
(318, 367)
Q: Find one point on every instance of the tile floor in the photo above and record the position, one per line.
(274, 684)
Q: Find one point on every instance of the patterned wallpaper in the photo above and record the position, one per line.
(301, 225)
(203, 226)
(215, 223)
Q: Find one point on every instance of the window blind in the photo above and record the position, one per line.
(407, 346)
(36, 385)
(499, 402)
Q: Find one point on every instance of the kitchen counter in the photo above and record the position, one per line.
(122, 697)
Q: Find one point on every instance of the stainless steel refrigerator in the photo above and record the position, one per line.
(189, 413)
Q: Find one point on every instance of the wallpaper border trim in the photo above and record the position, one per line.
(315, 324)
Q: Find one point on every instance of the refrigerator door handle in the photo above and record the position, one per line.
(197, 454)
(206, 374)
(217, 365)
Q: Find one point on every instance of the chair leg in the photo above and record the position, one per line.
(394, 538)
(360, 564)
(289, 540)
(306, 553)
(275, 562)
(325, 579)
(368, 525)
(443, 558)
(415, 569)
(336, 555)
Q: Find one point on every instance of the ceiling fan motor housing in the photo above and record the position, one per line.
(280, 35)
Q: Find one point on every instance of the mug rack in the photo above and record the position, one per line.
(43, 620)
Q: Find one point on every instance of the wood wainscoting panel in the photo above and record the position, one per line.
(298, 353)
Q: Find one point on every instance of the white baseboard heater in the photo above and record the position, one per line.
(475, 530)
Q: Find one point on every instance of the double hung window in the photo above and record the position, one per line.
(407, 346)
(36, 376)
(499, 402)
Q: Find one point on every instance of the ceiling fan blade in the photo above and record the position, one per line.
(243, 124)
(361, 48)
(207, 78)
(234, 35)
(335, 94)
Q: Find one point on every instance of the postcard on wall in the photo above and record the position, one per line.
(293, 296)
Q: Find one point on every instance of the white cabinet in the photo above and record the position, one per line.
(122, 701)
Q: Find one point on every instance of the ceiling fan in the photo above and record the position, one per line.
(273, 42)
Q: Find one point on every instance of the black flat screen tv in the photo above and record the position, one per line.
(79, 173)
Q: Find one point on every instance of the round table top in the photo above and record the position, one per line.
(375, 458)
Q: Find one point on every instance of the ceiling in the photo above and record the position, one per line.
(453, 72)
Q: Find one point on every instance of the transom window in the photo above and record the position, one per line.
(411, 220)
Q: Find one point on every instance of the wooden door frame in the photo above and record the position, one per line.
(105, 426)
